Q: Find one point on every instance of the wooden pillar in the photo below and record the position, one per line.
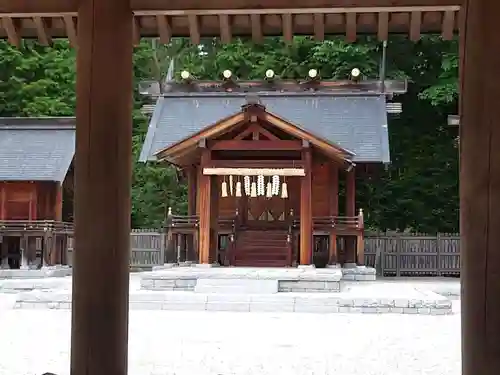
(99, 329)
(306, 228)
(350, 210)
(334, 211)
(191, 182)
(204, 195)
(480, 190)
(214, 218)
(58, 207)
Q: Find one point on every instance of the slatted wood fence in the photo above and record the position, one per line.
(393, 254)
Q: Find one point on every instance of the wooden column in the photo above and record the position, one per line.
(480, 190)
(306, 228)
(58, 207)
(204, 195)
(350, 193)
(334, 211)
(214, 215)
(350, 210)
(191, 182)
(99, 329)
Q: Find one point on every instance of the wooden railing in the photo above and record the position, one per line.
(35, 226)
(327, 223)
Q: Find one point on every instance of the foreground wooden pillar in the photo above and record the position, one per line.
(306, 227)
(480, 190)
(99, 330)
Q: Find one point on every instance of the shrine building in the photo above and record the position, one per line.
(36, 188)
(271, 171)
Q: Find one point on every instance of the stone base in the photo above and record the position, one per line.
(359, 273)
(275, 303)
(54, 271)
(243, 280)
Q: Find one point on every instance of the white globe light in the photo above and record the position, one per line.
(313, 73)
(269, 73)
(227, 74)
(355, 72)
(185, 74)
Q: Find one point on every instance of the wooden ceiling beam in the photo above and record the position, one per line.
(415, 25)
(136, 32)
(351, 25)
(194, 29)
(56, 8)
(41, 26)
(70, 24)
(257, 35)
(164, 28)
(225, 28)
(383, 26)
(319, 26)
(11, 26)
(448, 25)
(287, 25)
(148, 6)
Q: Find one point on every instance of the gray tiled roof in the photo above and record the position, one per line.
(358, 123)
(36, 149)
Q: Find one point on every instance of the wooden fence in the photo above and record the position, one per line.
(393, 254)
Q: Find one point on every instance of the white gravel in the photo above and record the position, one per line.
(204, 343)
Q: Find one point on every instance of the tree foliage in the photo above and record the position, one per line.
(417, 191)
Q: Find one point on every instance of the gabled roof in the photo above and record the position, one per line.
(239, 118)
(36, 149)
(357, 123)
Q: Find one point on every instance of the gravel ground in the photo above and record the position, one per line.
(205, 343)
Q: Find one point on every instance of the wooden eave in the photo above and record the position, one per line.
(180, 148)
(172, 154)
(48, 19)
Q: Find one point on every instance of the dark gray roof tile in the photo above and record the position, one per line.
(36, 149)
(357, 123)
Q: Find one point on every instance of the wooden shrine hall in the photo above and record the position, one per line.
(263, 169)
(105, 33)
(36, 184)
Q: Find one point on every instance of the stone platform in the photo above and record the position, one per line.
(231, 280)
(367, 298)
(44, 272)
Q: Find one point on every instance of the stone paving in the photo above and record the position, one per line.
(208, 343)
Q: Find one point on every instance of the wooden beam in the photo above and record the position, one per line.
(319, 26)
(254, 171)
(41, 30)
(11, 27)
(276, 5)
(383, 26)
(136, 32)
(164, 28)
(351, 27)
(287, 24)
(273, 164)
(239, 145)
(29, 8)
(448, 25)
(58, 207)
(69, 23)
(194, 29)
(256, 130)
(225, 28)
(306, 227)
(350, 193)
(480, 190)
(415, 25)
(334, 211)
(99, 328)
(256, 22)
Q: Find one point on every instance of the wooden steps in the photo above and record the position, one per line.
(261, 248)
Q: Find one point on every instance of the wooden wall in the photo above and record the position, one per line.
(29, 200)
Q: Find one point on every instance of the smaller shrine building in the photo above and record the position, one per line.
(36, 188)
(271, 175)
